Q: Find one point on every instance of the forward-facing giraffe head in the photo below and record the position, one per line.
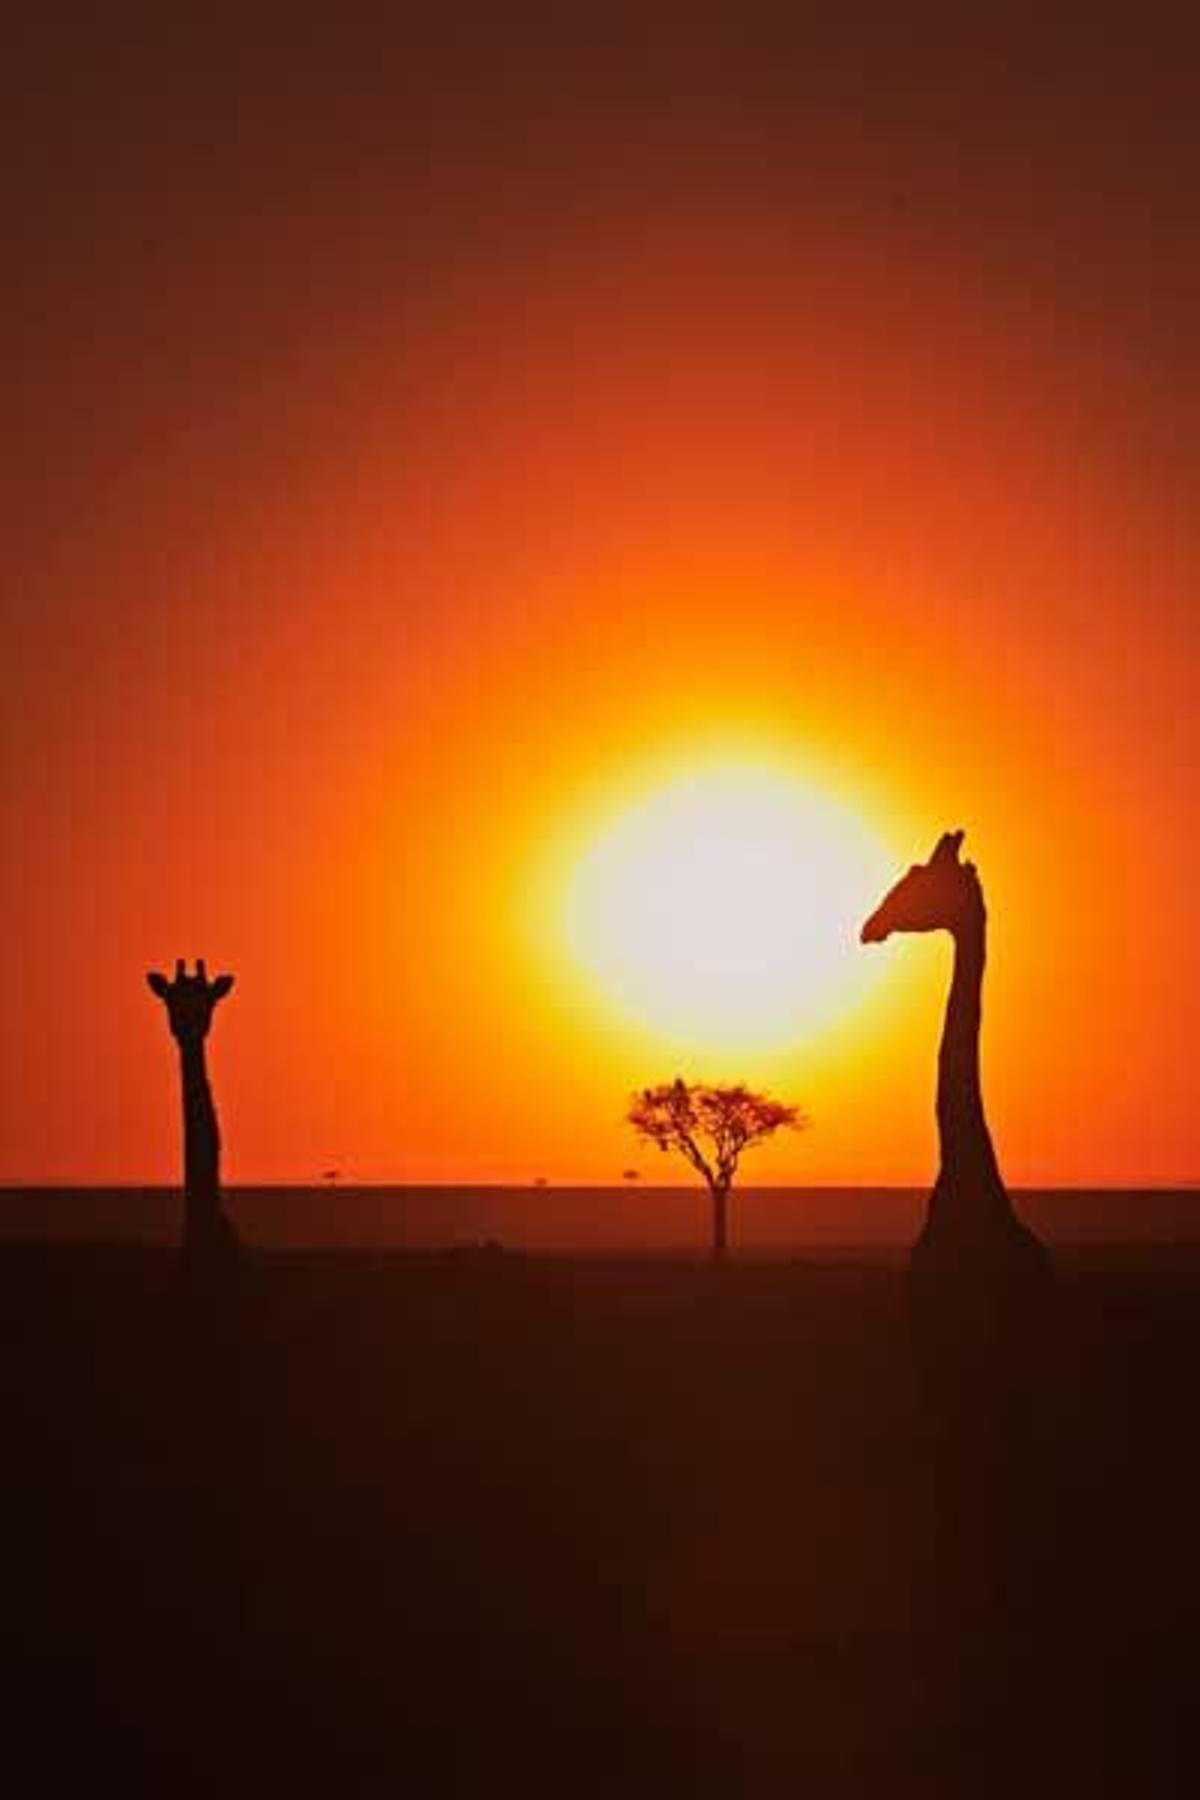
(189, 1000)
(942, 894)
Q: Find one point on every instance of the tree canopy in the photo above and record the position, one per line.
(710, 1126)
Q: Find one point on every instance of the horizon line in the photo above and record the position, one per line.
(550, 1184)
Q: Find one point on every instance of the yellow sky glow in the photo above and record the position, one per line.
(718, 909)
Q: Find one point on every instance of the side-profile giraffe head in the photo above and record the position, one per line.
(189, 999)
(942, 894)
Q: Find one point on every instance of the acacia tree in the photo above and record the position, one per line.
(710, 1126)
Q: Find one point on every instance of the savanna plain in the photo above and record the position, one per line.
(430, 1520)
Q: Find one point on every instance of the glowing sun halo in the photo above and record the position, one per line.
(722, 910)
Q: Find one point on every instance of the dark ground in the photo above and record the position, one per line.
(480, 1523)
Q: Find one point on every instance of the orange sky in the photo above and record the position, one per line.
(415, 443)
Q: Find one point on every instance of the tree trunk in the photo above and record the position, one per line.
(720, 1196)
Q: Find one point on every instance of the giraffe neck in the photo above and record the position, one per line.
(968, 1161)
(201, 1140)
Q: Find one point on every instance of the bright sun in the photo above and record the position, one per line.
(723, 909)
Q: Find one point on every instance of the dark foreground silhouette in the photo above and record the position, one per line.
(210, 1243)
(986, 1329)
(467, 1524)
(971, 1227)
(981, 1285)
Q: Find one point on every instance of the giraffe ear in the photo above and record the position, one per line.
(157, 983)
(948, 847)
(220, 987)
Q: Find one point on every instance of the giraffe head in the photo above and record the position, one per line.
(189, 1000)
(942, 894)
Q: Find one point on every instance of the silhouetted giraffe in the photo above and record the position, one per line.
(189, 1000)
(971, 1225)
(980, 1291)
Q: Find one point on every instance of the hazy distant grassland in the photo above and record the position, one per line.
(555, 1218)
